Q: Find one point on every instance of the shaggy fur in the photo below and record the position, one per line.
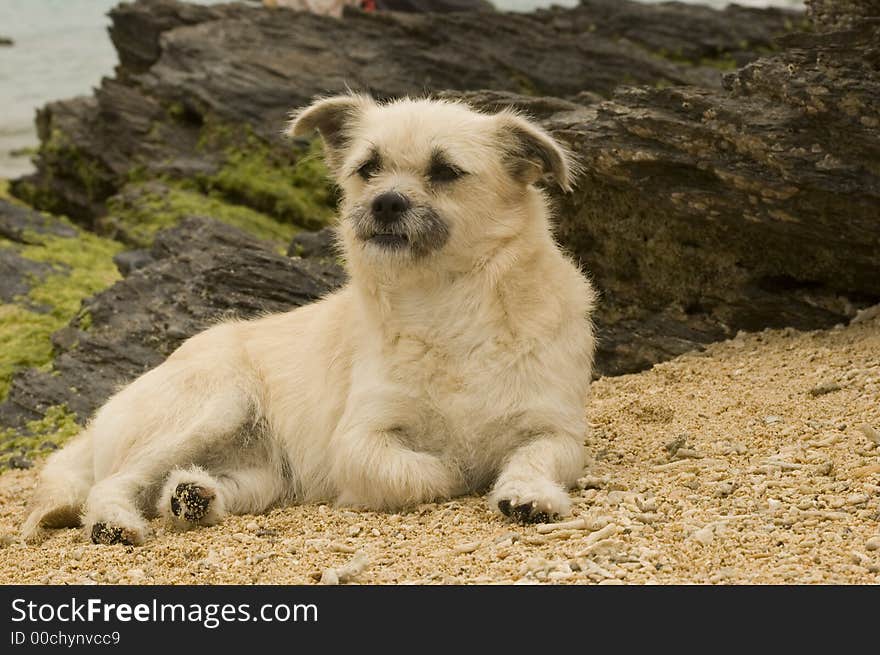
(457, 358)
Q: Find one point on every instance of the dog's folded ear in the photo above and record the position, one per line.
(333, 118)
(531, 154)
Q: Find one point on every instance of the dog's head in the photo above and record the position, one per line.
(421, 178)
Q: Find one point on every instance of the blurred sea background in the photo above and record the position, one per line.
(61, 49)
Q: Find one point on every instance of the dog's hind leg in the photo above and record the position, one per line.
(113, 512)
(63, 487)
(169, 417)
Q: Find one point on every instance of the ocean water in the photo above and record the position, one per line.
(62, 50)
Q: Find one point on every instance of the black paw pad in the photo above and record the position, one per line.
(525, 513)
(191, 501)
(111, 534)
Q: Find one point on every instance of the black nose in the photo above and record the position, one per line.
(388, 207)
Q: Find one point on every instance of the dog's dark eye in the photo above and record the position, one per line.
(369, 168)
(442, 172)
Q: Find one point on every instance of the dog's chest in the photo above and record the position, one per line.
(470, 382)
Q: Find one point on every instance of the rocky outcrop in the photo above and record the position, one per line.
(194, 80)
(680, 32)
(702, 212)
(841, 13)
(195, 274)
(47, 267)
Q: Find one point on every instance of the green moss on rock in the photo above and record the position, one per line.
(293, 192)
(145, 208)
(723, 62)
(24, 341)
(79, 267)
(84, 265)
(40, 436)
(61, 157)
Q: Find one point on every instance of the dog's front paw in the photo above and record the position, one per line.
(530, 501)
(191, 497)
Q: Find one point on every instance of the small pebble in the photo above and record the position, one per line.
(591, 482)
(646, 505)
(857, 499)
(704, 535)
(348, 572)
(507, 536)
(871, 433)
(724, 489)
(825, 387)
(330, 577)
(674, 446)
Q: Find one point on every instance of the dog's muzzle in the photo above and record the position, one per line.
(392, 223)
(388, 211)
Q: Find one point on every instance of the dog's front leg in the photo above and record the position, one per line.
(375, 469)
(534, 481)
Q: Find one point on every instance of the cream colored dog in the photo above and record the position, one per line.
(457, 357)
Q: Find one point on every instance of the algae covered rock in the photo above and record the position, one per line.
(195, 274)
(47, 267)
(202, 92)
(841, 13)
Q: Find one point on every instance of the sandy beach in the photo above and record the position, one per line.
(756, 461)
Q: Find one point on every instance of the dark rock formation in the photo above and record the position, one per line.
(680, 32)
(702, 212)
(436, 6)
(320, 244)
(187, 69)
(199, 272)
(6, 41)
(841, 13)
(20, 225)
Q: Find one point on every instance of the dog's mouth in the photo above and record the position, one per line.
(389, 240)
(419, 232)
